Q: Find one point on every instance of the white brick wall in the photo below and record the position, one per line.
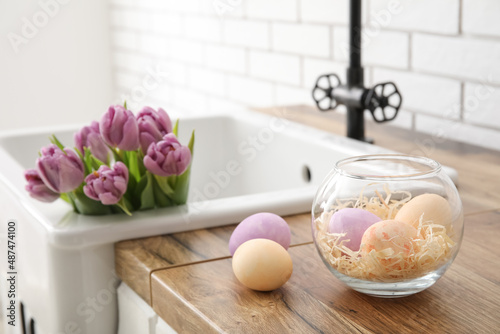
(482, 17)
(226, 58)
(467, 57)
(423, 93)
(203, 28)
(328, 11)
(252, 34)
(324, 11)
(305, 39)
(227, 54)
(441, 16)
(384, 48)
(284, 10)
(482, 105)
(254, 92)
(275, 67)
(313, 68)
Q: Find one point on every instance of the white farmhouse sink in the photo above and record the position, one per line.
(243, 163)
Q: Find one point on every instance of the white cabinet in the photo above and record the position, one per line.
(135, 316)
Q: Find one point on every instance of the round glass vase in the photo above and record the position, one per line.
(387, 225)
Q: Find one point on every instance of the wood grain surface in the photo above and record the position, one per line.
(464, 300)
(135, 260)
(188, 280)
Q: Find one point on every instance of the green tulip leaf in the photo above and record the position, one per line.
(124, 205)
(87, 161)
(131, 193)
(53, 139)
(179, 196)
(116, 154)
(181, 190)
(191, 144)
(96, 163)
(133, 165)
(162, 183)
(146, 191)
(175, 130)
(67, 197)
(79, 153)
(88, 206)
(124, 157)
(161, 199)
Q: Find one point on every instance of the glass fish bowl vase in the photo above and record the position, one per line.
(387, 225)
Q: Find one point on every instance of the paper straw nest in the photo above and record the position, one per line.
(432, 251)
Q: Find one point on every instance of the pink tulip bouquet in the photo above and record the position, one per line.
(124, 163)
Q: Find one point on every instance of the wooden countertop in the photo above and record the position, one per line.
(187, 277)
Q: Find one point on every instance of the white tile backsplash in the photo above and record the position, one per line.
(154, 45)
(384, 48)
(482, 105)
(168, 24)
(404, 119)
(184, 6)
(176, 72)
(203, 28)
(185, 50)
(424, 93)
(306, 39)
(328, 11)
(246, 33)
(443, 129)
(217, 104)
(225, 58)
(325, 11)
(189, 101)
(285, 10)
(444, 56)
(286, 95)
(253, 92)
(207, 81)
(432, 16)
(275, 67)
(466, 58)
(481, 17)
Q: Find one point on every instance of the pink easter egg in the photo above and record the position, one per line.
(354, 223)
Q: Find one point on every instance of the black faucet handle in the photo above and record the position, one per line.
(323, 91)
(383, 100)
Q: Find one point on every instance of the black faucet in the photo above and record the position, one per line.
(382, 100)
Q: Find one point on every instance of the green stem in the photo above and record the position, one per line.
(163, 184)
(123, 205)
(71, 198)
(117, 154)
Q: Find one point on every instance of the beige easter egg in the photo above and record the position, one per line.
(262, 264)
(431, 207)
